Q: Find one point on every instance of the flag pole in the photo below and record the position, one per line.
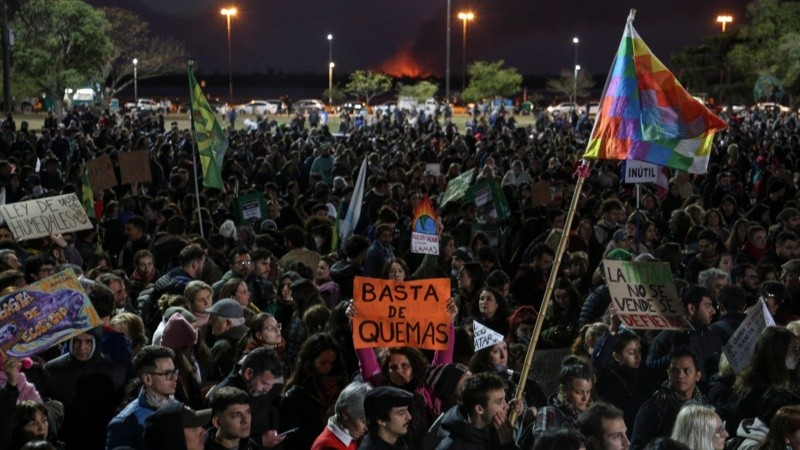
(582, 173)
(194, 153)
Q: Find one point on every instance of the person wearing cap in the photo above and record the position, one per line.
(386, 411)
(231, 420)
(482, 419)
(155, 369)
(707, 256)
(176, 427)
(348, 425)
(620, 239)
(227, 326)
(260, 375)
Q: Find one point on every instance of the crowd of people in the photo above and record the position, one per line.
(224, 333)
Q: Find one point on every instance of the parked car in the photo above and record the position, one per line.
(146, 104)
(772, 106)
(387, 107)
(351, 107)
(307, 105)
(593, 109)
(258, 107)
(564, 108)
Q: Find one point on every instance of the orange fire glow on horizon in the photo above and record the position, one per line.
(405, 64)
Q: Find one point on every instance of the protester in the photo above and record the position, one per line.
(348, 424)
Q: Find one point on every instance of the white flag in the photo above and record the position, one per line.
(350, 221)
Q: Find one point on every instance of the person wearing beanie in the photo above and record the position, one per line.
(178, 333)
(155, 368)
(176, 427)
(446, 380)
(171, 311)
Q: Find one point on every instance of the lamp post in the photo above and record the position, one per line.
(575, 89)
(724, 20)
(228, 12)
(330, 85)
(447, 68)
(330, 69)
(575, 41)
(464, 18)
(135, 80)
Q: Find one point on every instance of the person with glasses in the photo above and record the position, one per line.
(155, 369)
(241, 266)
(700, 428)
(39, 267)
(264, 331)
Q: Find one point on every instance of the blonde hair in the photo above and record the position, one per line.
(695, 426)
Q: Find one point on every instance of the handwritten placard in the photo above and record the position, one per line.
(101, 173)
(401, 314)
(44, 314)
(740, 346)
(134, 167)
(484, 336)
(644, 295)
(42, 217)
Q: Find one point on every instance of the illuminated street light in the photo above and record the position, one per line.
(228, 12)
(330, 70)
(575, 41)
(724, 20)
(135, 80)
(465, 17)
(575, 88)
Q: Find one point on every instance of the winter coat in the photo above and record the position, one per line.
(343, 273)
(459, 434)
(126, 429)
(752, 433)
(657, 415)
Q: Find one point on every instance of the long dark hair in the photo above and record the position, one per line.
(419, 365)
(304, 369)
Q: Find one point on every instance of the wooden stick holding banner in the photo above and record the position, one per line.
(583, 173)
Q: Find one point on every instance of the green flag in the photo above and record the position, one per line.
(87, 194)
(211, 140)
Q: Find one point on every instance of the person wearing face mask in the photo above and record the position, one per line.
(260, 374)
(773, 365)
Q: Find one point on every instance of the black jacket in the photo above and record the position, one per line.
(458, 434)
(172, 282)
(657, 415)
(264, 415)
(343, 273)
(595, 306)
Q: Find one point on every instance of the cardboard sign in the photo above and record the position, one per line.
(101, 173)
(490, 200)
(457, 187)
(644, 294)
(251, 207)
(134, 167)
(636, 172)
(425, 235)
(740, 346)
(44, 314)
(45, 216)
(401, 314)
(484, 336)
(434, 168)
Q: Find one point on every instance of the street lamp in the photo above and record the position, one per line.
(575, 88)
(575, 41)
(135, 80)
(725, 19)
(228, 12)
(330, 84)
(330, 69)
(464, 17)
(447, 68)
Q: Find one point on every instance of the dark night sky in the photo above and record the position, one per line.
(408, 36)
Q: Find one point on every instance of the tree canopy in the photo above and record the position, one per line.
(564, 84)
(488, 80)
(420, 91)
(156, 56)
(367, 84)
(59, 43)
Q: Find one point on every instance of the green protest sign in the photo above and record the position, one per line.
(251, 207)
(490, 200)
(457, 187)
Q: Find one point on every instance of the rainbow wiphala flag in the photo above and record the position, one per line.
(646, 115)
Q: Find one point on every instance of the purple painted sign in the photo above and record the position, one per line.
(33, 320)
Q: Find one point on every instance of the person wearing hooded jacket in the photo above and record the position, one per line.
(752, 431)
(481, 422)
(88, 383)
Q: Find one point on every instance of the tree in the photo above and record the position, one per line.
(337, 95)
(367, 84)
(156, 56)
(488, 80)
(59, 43)
(564, 84)
(420, 91)
(770, 44)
